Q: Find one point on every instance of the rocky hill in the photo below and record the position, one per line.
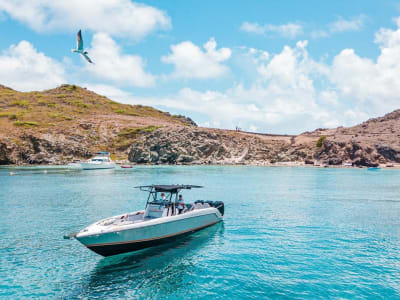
(69, 122)
(371, 143)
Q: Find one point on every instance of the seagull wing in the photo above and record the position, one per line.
(79, 41)
(87, 58)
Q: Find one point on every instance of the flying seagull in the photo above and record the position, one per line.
(79, 47)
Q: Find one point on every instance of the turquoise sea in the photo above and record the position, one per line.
(297, 233)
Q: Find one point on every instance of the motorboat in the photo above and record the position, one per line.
(162, 220)
(102, 160)
(126, 166)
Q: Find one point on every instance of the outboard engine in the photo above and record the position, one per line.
(217, 204)
(220, 206)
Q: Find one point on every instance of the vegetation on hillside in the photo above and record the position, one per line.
(66, 104)
(320, 141)
(76, 112)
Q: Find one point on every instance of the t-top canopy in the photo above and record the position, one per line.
(174, 188)
(103, 152)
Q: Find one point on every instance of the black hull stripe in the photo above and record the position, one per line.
(118, 248)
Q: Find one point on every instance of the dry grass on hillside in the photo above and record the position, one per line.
(71, 110)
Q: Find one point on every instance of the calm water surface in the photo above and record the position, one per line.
(288, 233)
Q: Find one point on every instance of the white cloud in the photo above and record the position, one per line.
(289, 30)
(191, 61)
(372, 85)
(342, 25)
(117, 17)
(316, 34)
(329, 97)
(282, 100)
(23, 68)
(295, 93)
(112, 64)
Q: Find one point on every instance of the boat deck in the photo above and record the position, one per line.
(139, 217)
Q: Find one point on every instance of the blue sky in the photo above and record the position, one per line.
(267, 66)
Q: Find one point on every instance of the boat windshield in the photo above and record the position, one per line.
(171, 192)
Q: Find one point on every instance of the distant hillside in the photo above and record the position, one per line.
(68, 122)
(374, 142)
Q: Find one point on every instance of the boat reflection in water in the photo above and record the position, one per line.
(155, 272)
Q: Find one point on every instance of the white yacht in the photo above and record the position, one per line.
(102, 160)
(158, 223)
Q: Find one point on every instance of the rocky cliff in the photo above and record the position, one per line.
(371, 143)
(374, 142)
(186, 145)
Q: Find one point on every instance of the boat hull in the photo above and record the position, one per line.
(92, 166)
(149, 235)
(114, 249)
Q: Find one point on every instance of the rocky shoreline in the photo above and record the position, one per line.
(201, 146)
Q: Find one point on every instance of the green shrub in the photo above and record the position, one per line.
(124, 144)
(78, 103)
(10, 116)
(149, 128)
(81, 104)
(54, 115)
(320, 141)
(21, 103)
(26, 123)
(126, 112)
(132, 132)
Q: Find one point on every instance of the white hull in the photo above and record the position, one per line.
(95, 165)
(130, 235)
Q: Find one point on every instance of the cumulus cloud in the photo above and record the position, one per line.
(117, 17)
(289, 30)
(112, 64)
(374, 85)
(23, 68)
(293, 92)
(342, 24)
(191, 61)
(282, 100)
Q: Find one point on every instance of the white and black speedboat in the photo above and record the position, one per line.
(158, 223)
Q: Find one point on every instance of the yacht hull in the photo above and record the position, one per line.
(94, 166)
(154, 232)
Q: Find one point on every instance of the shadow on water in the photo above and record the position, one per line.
(157, 271)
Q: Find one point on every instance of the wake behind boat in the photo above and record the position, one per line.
(102, 160)
(162, 220)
